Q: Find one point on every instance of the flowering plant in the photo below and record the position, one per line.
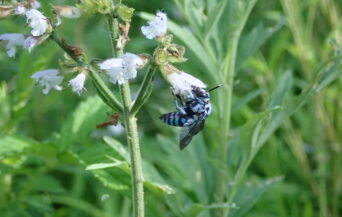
(113, 156)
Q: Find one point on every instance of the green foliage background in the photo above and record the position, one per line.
(284, 150)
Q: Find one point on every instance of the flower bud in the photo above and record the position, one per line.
(104, 6)
(95, 6)
(125, 13)
(161, 56)
(175, 53)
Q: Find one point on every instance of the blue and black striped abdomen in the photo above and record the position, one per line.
(177, 119)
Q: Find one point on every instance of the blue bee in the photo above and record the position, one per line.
(190, 115)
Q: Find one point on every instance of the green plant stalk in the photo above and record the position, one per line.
(228, 72)
(131, 130)
(133, 142)
(144, 92)
(99, 84)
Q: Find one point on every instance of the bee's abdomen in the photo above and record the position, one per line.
(176, 119)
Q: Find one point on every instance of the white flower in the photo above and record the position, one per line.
(156, 27)
(48, 79)
(77, 83)
(35, 4)
(182, 83)
(130, 64)
(37, 21)
(122, 69)
(30, 43)
(20, 9)
(14, 39)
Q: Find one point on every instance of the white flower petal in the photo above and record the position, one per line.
(122, 69)
(130, 64)
(14, 39)
(48, 79)
(37, 21)
(182, 83)
(77, 83)
(30, 43)
(11, 52)
(20, 9)
(156, 27)
(111, 63)
(35, 4)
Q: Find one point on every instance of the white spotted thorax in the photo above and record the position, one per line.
(13, 40)
(156, 27)
(48, 79)
(122, 69)
(37, 21)
(182, 83)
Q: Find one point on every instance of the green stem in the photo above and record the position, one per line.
(133, 142)
(229, 72)
(144, 90)
(99, 84)
(131, 131)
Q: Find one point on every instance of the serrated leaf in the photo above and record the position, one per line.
(153, 181)
(82, 122)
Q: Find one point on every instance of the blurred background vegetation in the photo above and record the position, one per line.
(283, 155)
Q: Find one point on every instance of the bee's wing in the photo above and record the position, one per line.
(188, 132)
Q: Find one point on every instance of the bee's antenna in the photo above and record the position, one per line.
(214, 88)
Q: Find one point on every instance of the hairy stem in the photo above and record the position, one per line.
(131, 129)
(133, 142)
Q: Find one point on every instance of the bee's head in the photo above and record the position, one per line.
(199, 92)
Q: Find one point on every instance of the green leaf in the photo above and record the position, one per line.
(153, 181)
(213, 17)
(282, 87)
(82, 122)
(250, 193)
(251, 43)
(49, 184)
(11, 145)
(246, 99)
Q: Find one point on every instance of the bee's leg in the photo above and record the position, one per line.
(180, 109)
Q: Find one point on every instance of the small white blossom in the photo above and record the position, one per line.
(77, 83)
(48, 79)
(130, 64)
(14, 39)
(156, 27)
(37, 21)
(20, 9)
(30, 43)
(182, 83)
(122, 69)
(35, 4)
